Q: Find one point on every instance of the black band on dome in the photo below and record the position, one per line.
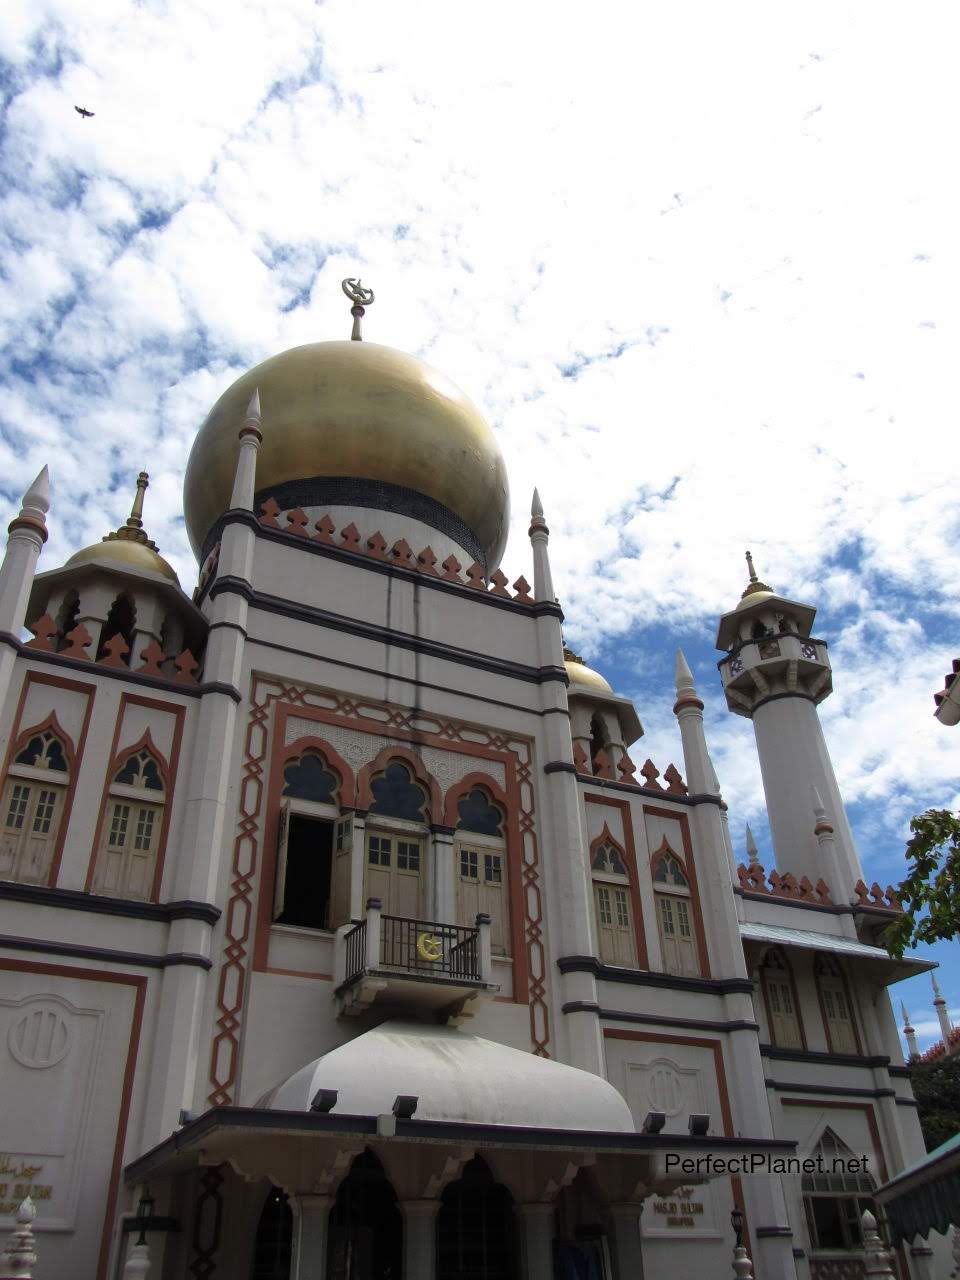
(374, 495)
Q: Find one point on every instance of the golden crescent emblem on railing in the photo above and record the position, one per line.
(429, 947)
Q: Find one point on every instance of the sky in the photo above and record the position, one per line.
(696, 263)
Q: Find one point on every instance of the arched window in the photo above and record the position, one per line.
(312, 881)
(835, 1003)
(396, 841)
(475, 1235)
(131, 829)
(783, 1017)
(836, 1196)
(674, 907)
(480, 866)
(612, 908)
(32, 807)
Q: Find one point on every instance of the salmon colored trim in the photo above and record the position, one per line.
(76, 756)
(867, 1109)
(119, 757)
(689, 865)
(126, 1090)
(630, 857)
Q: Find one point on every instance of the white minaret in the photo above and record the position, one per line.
(910, 1034)
(775, 673)
(941, 1007)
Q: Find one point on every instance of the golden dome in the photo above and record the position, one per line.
(129, 545)
(754, 597)
(354, 410)
(583, 677)
(130, 555)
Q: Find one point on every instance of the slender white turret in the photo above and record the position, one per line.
(245, 477)
(28, 533)
(753, 855)
(909, 1033)
(688, 708)
(539, 538)
(941, 1007)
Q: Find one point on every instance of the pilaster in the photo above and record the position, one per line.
(311, 1217)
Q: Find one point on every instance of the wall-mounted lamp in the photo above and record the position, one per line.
(654, 1122)
(698, 1126)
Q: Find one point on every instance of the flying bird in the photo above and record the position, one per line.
(82, 111)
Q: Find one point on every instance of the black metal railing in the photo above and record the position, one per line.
(355, 945)
(425, 946)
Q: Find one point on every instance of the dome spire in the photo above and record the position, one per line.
(361, 299)
(132, 529)
(754, 585)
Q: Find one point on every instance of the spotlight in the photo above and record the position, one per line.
(404, 1105)
(654, 1122)
(698, 1126)
(324, 1100)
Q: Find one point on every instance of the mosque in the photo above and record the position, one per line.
(348, 936)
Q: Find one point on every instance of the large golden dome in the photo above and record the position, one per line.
(355, 411)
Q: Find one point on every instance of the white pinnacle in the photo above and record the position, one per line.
(683, 676)
(36, 501)
(253, 408)
(752, 852)
(536, 506)
(906, 1015)
(936, 989)
(819, 809)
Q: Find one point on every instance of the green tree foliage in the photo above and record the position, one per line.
(936, 1086)
(930, 895)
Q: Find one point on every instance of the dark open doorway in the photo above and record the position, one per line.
(366, 1227)
(271, 1249)
(306, 890)
(475, 1236)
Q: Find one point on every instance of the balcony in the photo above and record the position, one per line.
(413, 964)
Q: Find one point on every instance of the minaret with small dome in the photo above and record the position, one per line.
(776, 672)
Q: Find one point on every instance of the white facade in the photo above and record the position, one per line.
(343, 790)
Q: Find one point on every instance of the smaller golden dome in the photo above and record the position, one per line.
(581, 676)
(129, 555)
(129, 545)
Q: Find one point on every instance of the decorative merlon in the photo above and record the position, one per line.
(401, 554)
(875, 897)
(754, 879)
(76, 644)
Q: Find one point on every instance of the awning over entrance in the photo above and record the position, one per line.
(926, 1195)
(455, 1076)
(889, 969)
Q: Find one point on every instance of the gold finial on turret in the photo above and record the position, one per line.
(132, 529)
(361, 299)
(754, 585)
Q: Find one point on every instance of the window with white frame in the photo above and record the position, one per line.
(612, 908)
(32, 804)
(130, 835)
(673, 903)
(480, 859)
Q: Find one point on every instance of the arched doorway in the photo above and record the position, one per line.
(271, 1248)
(475, 1235)
(366, 1229)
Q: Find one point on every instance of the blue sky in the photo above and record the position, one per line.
(697, 265)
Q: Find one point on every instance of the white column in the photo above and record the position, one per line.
(444, 897)
(358, 858)
(689, 712)
(310, 1233)
(627, 1250)
(485, 956)
(420, 1238)
(537, 1241)
(137, 1265)
(912, 1047)
(539, 537)
(373, 913)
